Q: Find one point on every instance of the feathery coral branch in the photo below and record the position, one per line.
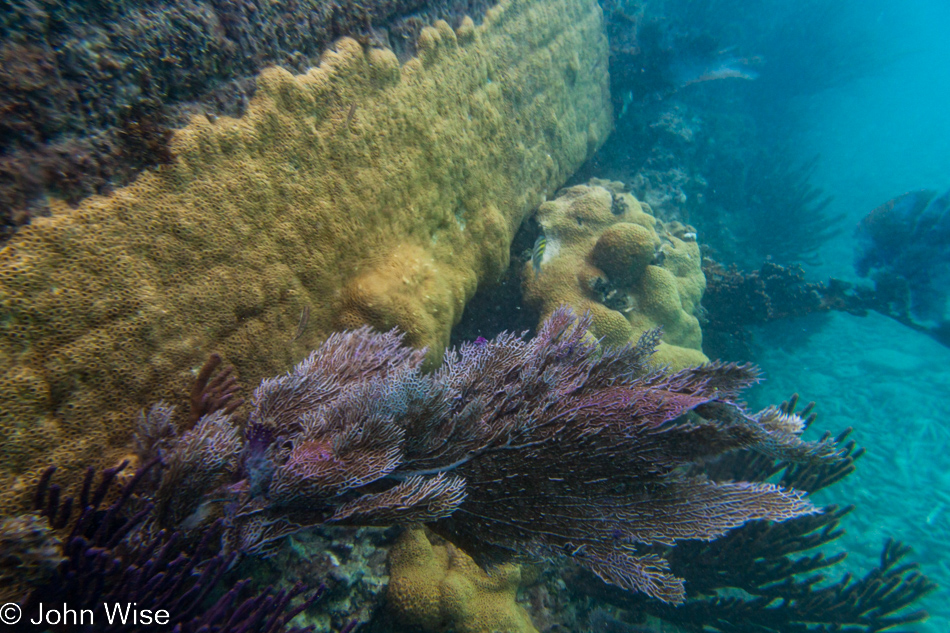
(544, 447)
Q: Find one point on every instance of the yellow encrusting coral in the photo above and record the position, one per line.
(361, 191)
(440, 588)
(606, 253)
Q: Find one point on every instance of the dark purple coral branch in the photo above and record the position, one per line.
(104, 564)
(214, 392)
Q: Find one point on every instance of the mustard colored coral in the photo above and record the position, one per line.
(606, 253)
(440, 588)
(362, 191)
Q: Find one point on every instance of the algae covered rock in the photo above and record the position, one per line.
(606, 253)
(363, 191)
(440, 588)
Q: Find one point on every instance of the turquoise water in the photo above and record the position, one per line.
(891, 385)
(880, 136)
(885, 133)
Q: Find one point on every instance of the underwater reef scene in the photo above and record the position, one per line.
(463, 316)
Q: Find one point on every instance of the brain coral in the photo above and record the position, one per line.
(606, 253)
(440, 588)
(363, 191)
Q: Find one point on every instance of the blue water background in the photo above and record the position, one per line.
(878, 136)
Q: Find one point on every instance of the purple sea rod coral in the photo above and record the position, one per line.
(110, 557)
(514, 448)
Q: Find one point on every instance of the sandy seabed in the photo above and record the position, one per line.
(893, 386)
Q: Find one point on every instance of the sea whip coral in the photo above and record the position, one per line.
(108, 558)
(541, 447)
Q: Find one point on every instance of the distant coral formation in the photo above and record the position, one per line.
(605, 253)
(439, 588)
(360, 192)
(735, 301)
(904, 246)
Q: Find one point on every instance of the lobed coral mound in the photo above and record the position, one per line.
(440, 588)
(606, 254)
(361, 192)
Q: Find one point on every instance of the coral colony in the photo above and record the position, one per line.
(118, 575)
(515, 449)
(107, 305)
(512, 449)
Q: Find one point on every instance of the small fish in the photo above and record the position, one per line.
(302, 323)
(349, 116)
(935, 514)
(481, 341)
(729, 69)
(537, 253)
(722, 65)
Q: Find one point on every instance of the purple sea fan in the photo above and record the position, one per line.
(541, 447)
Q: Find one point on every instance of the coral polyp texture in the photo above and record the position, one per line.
(361, 192)
(435, 588)
(605, 253)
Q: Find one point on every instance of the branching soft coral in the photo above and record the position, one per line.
(108, 557)
(514, 448)
(772, 578)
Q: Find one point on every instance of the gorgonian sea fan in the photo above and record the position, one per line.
(516, 448)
